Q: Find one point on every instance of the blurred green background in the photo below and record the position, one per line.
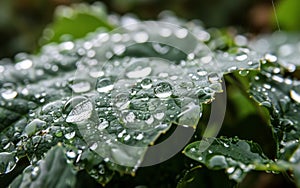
(22, 21)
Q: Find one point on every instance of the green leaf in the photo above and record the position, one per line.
(76, 21)
(105, 99)
(53, 171)
(236, 156)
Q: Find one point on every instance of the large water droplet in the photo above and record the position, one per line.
(8, 91)
(80, 112)
(104, 85)
(163, 90)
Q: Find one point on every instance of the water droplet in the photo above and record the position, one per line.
(81, 86)
(25, 64)
(139, 136)
(104, 85)
(201, 72)
(7, 163)
(104, 124)
(165, 32)
(225, 145)
(181, 33)
(146, 83)
(163, 90)
(35, 172)
(241, 57)
(127, 137)
(33, 126)
(270, 58)
(130, 117)
(141, 37)
(119, 49)
(71, 154)
(160, 48)
(94, 146)
(8, 91)
(70, 135)
(159, 115)
(139, 72)
(213, 77)
(243, 72)
(230, 170)
(218, 162)
(96, 73)
(80, 112)
(295, 96)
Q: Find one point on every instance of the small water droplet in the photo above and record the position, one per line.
(25, 64)
(213, 77)
(241, 57)
(201, 72)
(140, 37)
(270, 58)
(8, 91)
(163, 90)
(243, 72)
(71, 154)
(160, 48)
(218, 162)
(181, 33)
(146, 83)
(94, 146)
(295, 96)
(130, 117)
(139, 72)
(230, 170)
(139, 136)
(104, 85)
(70, 135)
(81, 86)
(103, 125)
(96, 73)
(159, 115)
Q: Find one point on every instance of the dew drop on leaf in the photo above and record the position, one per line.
(163, 90)
(70, 135)
(295, 96)
(7, 163)
(33, 126)
(146, 83)
(213, 77)
(218, 162)
(80, 112)
(8, 91)
(81, 86)
(104, 85)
